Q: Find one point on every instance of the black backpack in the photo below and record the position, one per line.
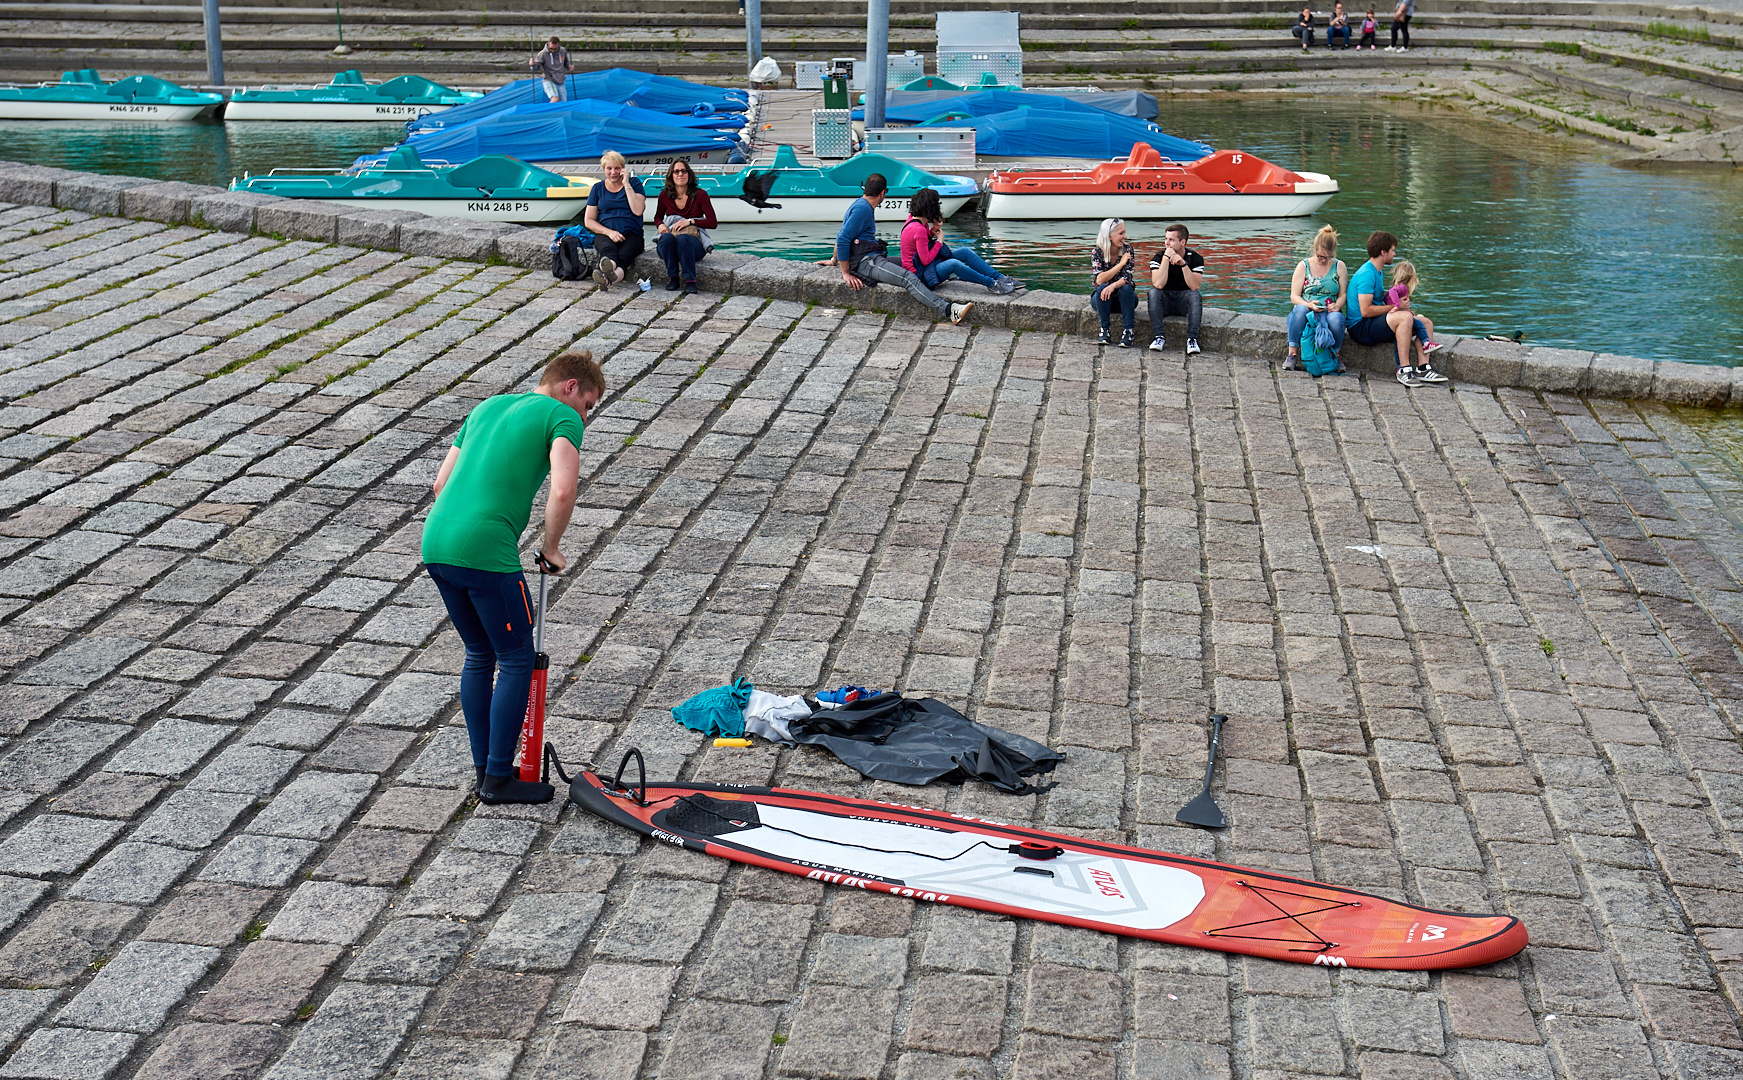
(572, 255)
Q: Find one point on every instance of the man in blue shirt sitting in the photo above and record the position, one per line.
(1379, 322)
(862, 256)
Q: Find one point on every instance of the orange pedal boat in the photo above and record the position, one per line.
(1227, 184)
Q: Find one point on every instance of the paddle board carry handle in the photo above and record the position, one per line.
(641, 767)
(532, 732)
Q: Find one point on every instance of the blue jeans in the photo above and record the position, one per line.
(1332, 33)
(680, 254)
(1125, 296)
(1298, 321)
(478, 602)
(961, 262)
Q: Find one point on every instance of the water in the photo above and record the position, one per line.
(1509, 230)
(201, 151)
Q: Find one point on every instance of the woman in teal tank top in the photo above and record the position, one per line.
(1320, 287)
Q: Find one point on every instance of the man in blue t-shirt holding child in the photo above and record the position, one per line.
(1378, 322)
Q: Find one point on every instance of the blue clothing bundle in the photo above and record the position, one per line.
(716, 712)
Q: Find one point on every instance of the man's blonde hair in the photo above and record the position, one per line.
(579, 366)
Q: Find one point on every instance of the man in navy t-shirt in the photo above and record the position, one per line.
(614, 215)
(1379, 322)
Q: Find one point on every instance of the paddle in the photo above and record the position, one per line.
(1203, 810)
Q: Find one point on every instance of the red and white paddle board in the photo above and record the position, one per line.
(975, 863)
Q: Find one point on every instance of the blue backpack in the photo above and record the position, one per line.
(1317, 355)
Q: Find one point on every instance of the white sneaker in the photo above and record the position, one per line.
(1192, 348)
(1158, 343)
(957, 311)
(1426, 374)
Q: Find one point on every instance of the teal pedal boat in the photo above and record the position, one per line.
(489, 188)
(83, 95)
(347, 98)
(788, 191)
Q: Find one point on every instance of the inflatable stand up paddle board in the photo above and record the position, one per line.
(976, 863)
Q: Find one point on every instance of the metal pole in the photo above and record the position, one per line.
(753, 30)
(877, 58)
(214, 44)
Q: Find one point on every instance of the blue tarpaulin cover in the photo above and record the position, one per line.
(601, 107)
(1048, 133)
(661, 93)
(1124, 102)
(561, 136)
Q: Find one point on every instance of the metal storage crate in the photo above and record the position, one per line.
(929, 148)
(903, 69)
(972, 43)
(832, 133)
(906, 68)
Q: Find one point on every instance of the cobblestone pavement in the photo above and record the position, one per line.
(1479, 649)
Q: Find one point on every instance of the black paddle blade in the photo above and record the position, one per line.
(1203, 812)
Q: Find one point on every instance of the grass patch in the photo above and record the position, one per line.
(255, 929)
(630, 440)
(1566, 48)
(1547, 646)
(1660, 28)
(1130, 24)
(99, 963)
(1219, 46)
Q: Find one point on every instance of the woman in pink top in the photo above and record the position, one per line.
(926, 255)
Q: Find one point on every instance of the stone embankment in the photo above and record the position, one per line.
(1478, 647)
(1469, 360)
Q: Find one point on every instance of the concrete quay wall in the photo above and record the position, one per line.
(1468, 360)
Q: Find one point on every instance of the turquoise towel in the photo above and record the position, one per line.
(716, 712)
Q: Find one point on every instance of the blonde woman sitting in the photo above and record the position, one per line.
(614, 213)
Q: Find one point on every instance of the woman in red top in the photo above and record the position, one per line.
(683, 205)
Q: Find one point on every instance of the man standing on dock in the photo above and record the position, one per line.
(552, 64)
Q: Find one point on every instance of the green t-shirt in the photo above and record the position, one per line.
(505, 452)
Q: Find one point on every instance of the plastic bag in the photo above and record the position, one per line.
(766, 70)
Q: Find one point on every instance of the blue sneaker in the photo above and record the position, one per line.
(835, 699)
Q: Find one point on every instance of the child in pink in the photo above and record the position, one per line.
(1403, 281)
(1369, 26)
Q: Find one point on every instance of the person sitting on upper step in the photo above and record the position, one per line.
(1304, 28)
(1339, 27)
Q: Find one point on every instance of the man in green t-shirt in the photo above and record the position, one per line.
(484, 498)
